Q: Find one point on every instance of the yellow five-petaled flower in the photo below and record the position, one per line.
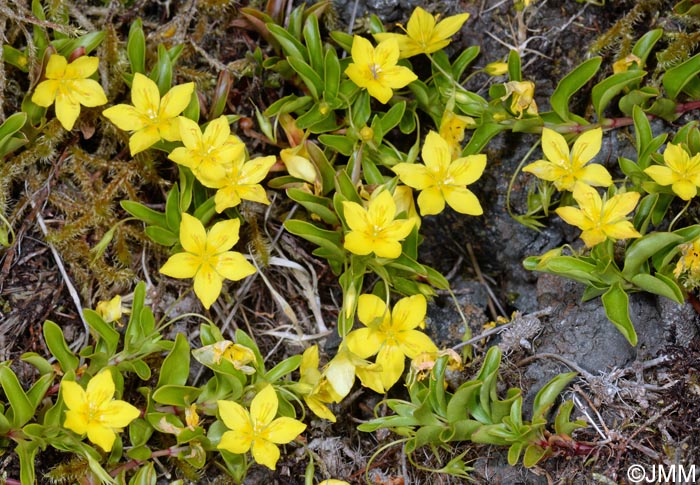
(568, 168)
(241, 181)
(151, 118)
(375, 69)
(257, 430)
(68, 85)
(374, 229)
(94, 411)
(207, 258)
(680, 171)
(443, 179)
(600, 219)
(392, 335)
(424, 34)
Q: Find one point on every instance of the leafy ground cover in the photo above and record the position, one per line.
(305, 226)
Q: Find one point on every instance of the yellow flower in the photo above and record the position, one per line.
(207, 258)
(317, 390)
(68, 85)
(297, 162)
(452, 128)
(687, 270)
(622, 65)
(342, 369)
(403, 197)
(257, 430)
(568, 169)
(375, 69)
(374, 229)
(424, 34)
(392, 335)
(94, 411)
(523, 97)
(111, 310)
(680, 171)
(241, 181)
(238, 355)
(150, 118)
(191, 416)
(442, 179)
(207, 154)
(498, 68)
(600, 219)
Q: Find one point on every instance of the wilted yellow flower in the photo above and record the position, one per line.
(191, 416)
(403, 196)
(374, 229)
(208, 154)
(317, 390)
(680, 171)
(342, 369)
(298, 165)
(423, 363)
(622, 65)
(110, 311)
(207, 258)
(257, 430)
(94, 411)
(600, 219)
(68, 85)
(390, 335)
(424, 34)
(687, 270)
(241, 181)
(376, 69)
(568, 168)
(443, 179)
(150, 118)
(523, 97)
(225, 350)
(452, 128)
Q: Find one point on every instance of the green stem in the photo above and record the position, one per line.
(678, 216)
(515, 174)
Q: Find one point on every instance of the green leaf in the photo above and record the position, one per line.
(310, 77)
(107, 333)
(361, 109)
(562, 423)
(514, 70)
(343, 40)
(314, 45)
(570, 84)
(608, 88)
(287, 366)
(26, 451)
(464, 397)
(89, 42)
(616, 304)
(172, 209)
(147, 215)
(162, 73)
(15, 57)
(290, 45)
(176, 366)
(321, 206)
(659, 285)
(392, 117)
(643, 47)
(164, 237)
(644, 248)
(675, 79)
(331, 240)
(548, 394)
(331, 75)
(533, 455)
(21, 408)
(340, 143)
(56, 342)
(136, 47)
(481, 137)
(464, 59)
(173, 395)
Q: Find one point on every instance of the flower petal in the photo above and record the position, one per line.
(572, 215)
(190, 133)
(217, 132)
(619, 206)
(364, 342)
(88, 93)
(385, 248)
(226, 197)
(386, 54)
(125, 117)
(233, 266)
(76, 421)
(621, 230)
(176, 100)
(436, 153)
(181, 265)
(358, 243)
(371, 310)
(207, 285)
(223, 236)
(449, 26)
(283, 430)
(415, 342)
(362, 51)
(380, 92)
(586, 147)
(414, 175)
(544, 170)
(67, 110)
(256, 169)
(101, 436)
(144, 94)
(660, 174)
(45, 93)
(409, 312)
(265, 453)
(100, 389)
(381, 210)
(431, 201)
(595, 174)
(73, 395)
(235, 417)
(193, 237)
(555, 147)
(685, 189)
(392, 361)
(143, 139)
(355, 216)
(467, 170)
(118, 414)
(263, 408)
(56, 67)
(462, 200)
(235, 441)
(81, 68)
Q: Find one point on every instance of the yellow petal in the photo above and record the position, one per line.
(100, 388)
(235, 417)
(595, 174)
(386, 54)
(467, 170)
(357, 75)
(355, 216)
(572, 215)
(217, 132)
(544, 170)
(88, 93)
(660, 174)
(436, 153)
(236, 442)
(265, 453)
(392, 361)
(675, 157)
(371, 377)
(421, 25)
(207, 285)
(226, 197)
(409, 312)
(364, 342)
(283, 430)
(381, 210)
(81, 68)
(143, 139)
(397, 77)
(371, 310)
(588, 200)
(587, 146)
(263, 408)
(182, 156)
(193, 237)
(144, 94)
(45, 93)
(67, 110)
(341, 373)
(56, 67)
(362, 51)
(233, 266)
(685, 189)
(253, 192)
(223, 235)
(386, 248)
(118, 414)
(554, 147)
(73, 395)
(462, 200)
(414, 175)
(319, 408)
(619, 206)
(176, 100)
(593, 237)
(415, 342)
(256, 170)
(449, 26)
(380, 92)
(190, 133)
(76, 421)
(431, 201)
(126, 117)
(101, 436)
(181, 265)
(621, 230)
(358, 243)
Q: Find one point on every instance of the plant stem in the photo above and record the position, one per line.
(134, 463)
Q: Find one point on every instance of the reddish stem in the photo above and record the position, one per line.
(134, 463)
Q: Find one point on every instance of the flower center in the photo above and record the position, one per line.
(376, 70)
